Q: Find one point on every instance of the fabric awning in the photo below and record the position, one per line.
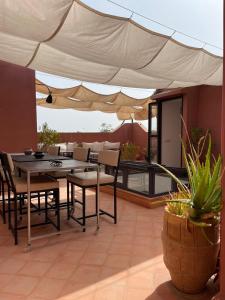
(83, 99)
(68, 38)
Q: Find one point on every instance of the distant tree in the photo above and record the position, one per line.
(105, 127)
(48, 137)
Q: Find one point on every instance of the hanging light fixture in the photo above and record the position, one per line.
(49, 97)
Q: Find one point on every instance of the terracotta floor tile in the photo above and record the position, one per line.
(61, 271)
(21, 285)
(94, 258)
(74, 291)
(46, 253)
(117, 261)
(48, 288)
(118, 248)
(71, 257)
(86, 297)
(5, 296)
(77, 245)
(7, 251)
(111, 276)
(141, 280)
(86, 274)
(11, 266)
(110, 292)
(123, 238)
(140, 250)
(4, 279)
(34, 298)
(99, 247)
(35, 268)
(137, 294)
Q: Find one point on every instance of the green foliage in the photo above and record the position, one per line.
(105, 127)
(48, 137)
(129, 151)
(201, 201)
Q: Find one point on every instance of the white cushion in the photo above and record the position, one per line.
(111, 146)
(89, 178)
(62, 146)
(88, 145)
(71, 146)
(97, 146)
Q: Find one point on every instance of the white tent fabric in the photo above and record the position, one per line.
(84, 99)
(67, 38)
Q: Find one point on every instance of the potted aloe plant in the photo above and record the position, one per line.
(190, 233)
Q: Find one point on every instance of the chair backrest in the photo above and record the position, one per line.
(109, 157)
(54, 150)
(2, 175)
(81, 154)
(8, 168)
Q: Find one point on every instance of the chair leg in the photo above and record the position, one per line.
(46, 207)
(68, 200)
(39, 203)
(56, 193)
(9, 209)
(20, 205)
(84, 208)
(72, 194)
(96, 200)
(15, 221)
(115, 205)
(3, 202)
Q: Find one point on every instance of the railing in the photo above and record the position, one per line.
(148, 179)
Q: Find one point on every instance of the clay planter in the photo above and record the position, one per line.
(188, 255)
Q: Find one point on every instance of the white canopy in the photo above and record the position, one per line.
(84, 99)
(67, 38)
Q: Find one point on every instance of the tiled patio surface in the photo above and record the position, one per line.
(121, 262)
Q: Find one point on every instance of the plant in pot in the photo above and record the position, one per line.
(129, 151)
(47, 137)
(190, 233)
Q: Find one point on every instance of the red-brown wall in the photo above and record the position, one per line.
(209, 113)
(201, 108)
(18, 129)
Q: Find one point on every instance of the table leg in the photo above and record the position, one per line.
(98, 192)
(28, 212)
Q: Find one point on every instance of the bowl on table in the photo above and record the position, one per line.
(28, 151)
(39, 154)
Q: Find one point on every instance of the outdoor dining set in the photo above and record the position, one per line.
(30, 186)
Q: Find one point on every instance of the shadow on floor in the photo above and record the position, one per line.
(167, 291)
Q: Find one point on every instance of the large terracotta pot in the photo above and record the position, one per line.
(189, 256)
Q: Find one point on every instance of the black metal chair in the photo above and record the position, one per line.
(54, 150)
(2, 195)
(18, 188)
(79, 153)
(110, 159)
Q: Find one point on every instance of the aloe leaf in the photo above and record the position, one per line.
(175, 178)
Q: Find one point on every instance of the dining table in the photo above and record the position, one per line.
(32, 158)
(44, 166)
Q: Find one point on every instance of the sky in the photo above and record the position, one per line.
(202, 19)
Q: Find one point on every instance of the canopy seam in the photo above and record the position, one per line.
(51, 36)
(155, 56)
(107, 81)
